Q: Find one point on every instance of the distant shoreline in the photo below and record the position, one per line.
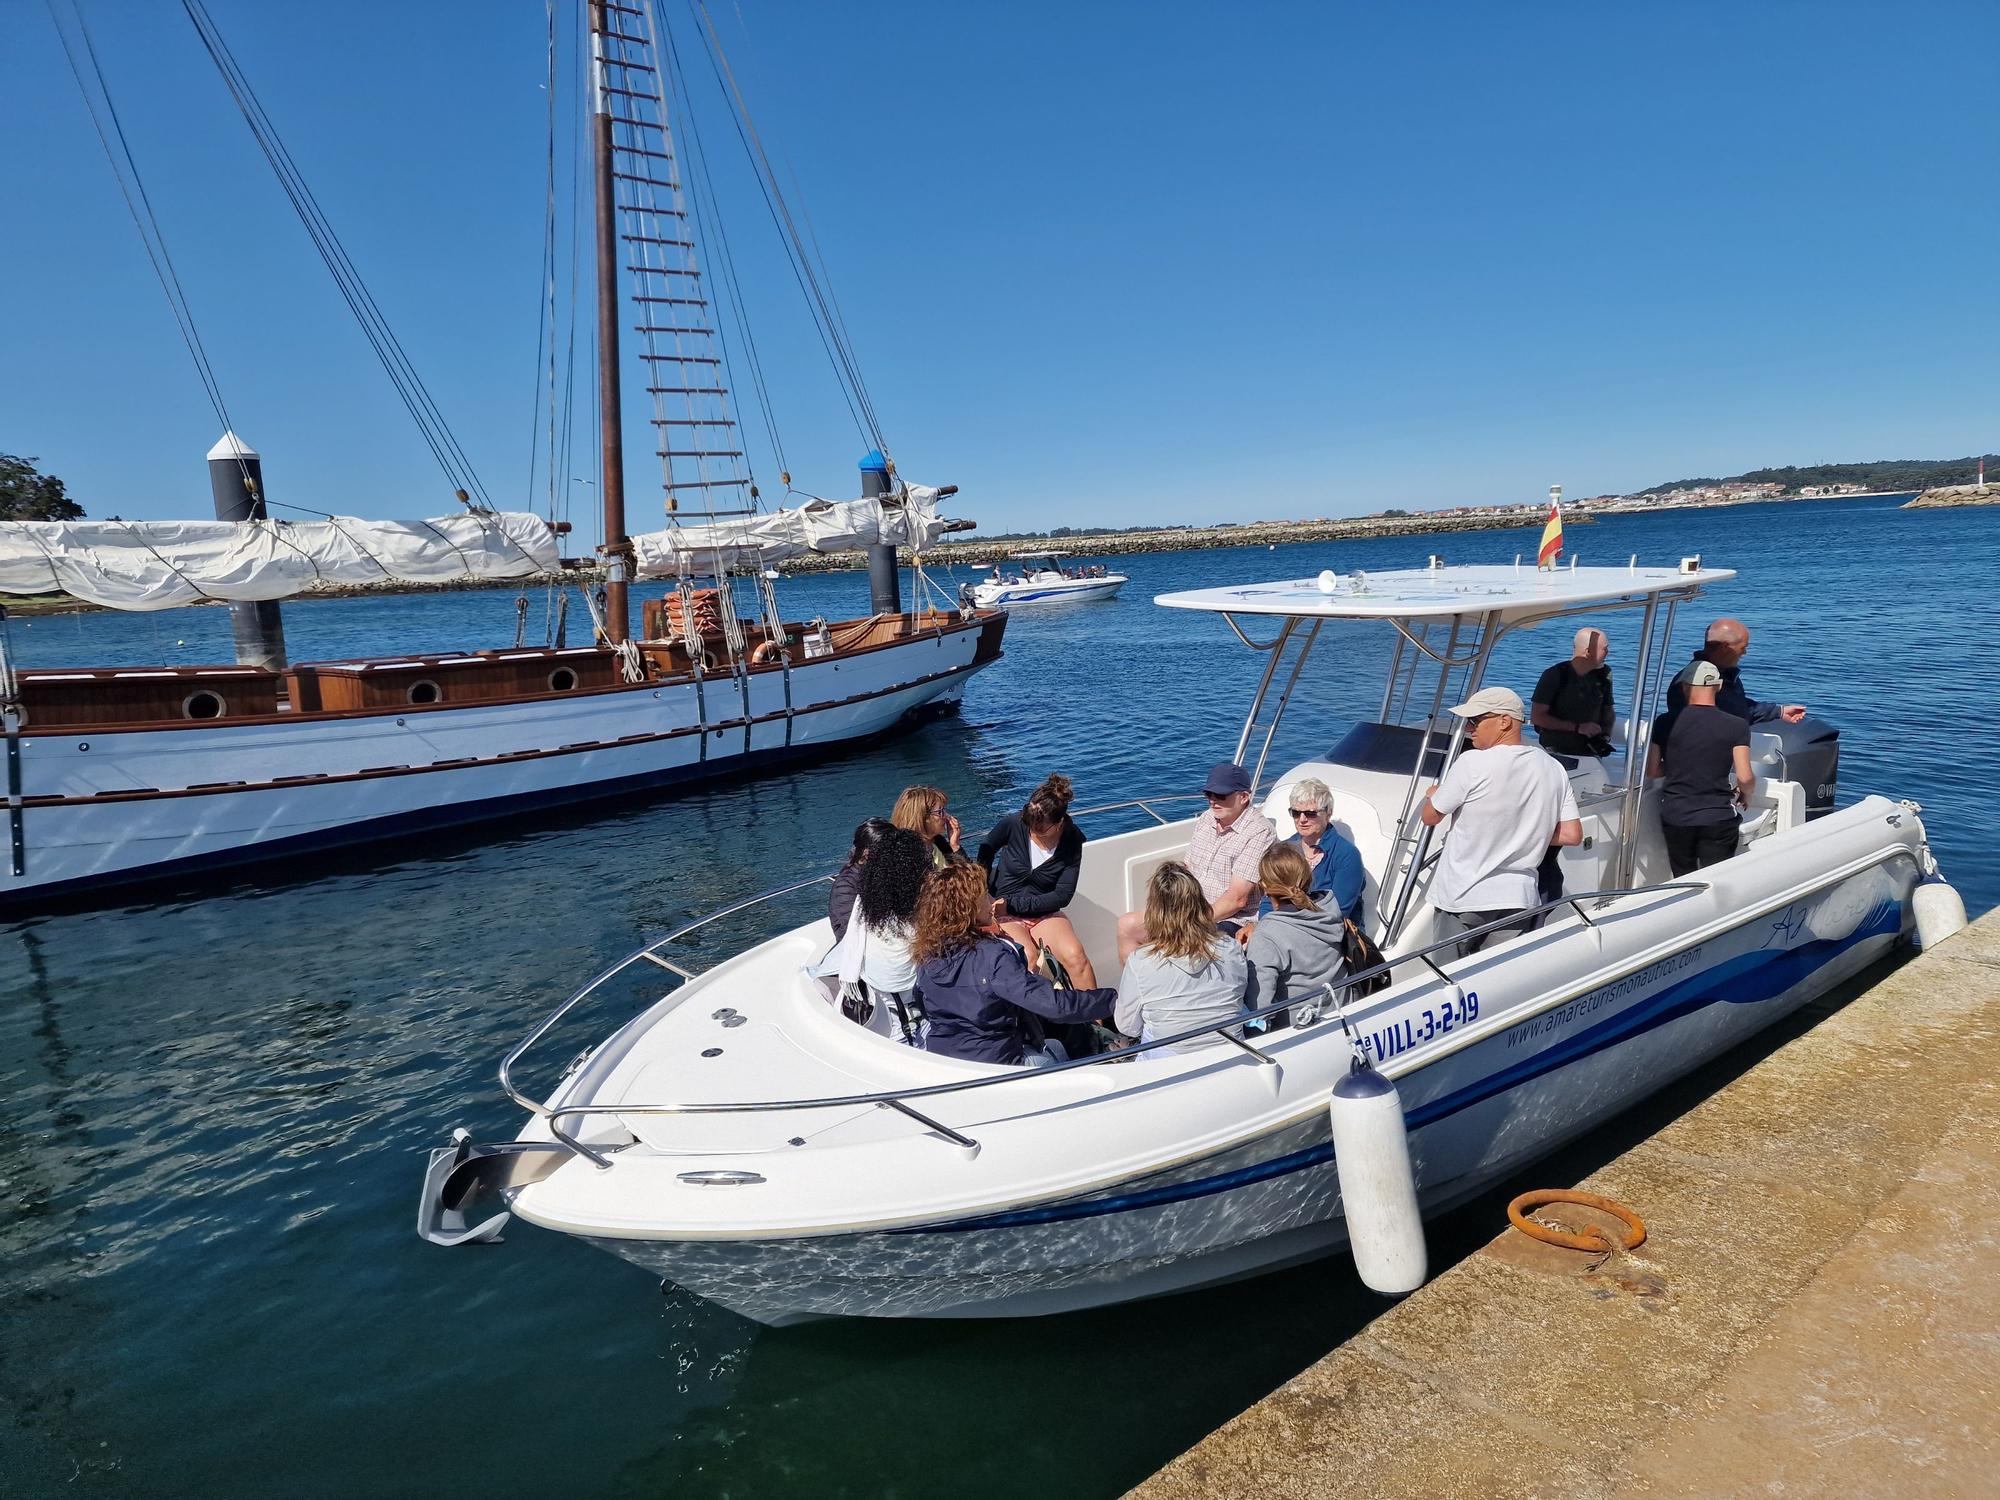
(980, 553)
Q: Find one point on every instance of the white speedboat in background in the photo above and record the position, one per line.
(742, 1139)
(1044, 580)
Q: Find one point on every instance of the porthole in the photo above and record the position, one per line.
(424, 691)
(203, 704)
(562, 679)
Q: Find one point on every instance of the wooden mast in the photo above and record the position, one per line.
(616, 548)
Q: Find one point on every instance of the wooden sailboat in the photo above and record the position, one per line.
(115, 776)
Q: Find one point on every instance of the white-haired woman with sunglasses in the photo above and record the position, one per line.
(1337, 876)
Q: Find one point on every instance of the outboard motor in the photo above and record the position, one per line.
(1812, 758)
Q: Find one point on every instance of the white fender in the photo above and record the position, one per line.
(1378, 1190)
(1940, 912)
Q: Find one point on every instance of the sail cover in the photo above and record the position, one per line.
(144, 565)
(908, 518)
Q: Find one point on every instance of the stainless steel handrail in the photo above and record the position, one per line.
(1141, 803)
(645, 953)
(650, 951)
(895, 1097)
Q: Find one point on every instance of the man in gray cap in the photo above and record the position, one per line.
(1697, 748)
(1508, 803)
(1223, 852)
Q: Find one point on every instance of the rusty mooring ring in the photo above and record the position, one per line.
(1590, 1239)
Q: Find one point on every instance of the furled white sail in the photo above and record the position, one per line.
(144, 565)
(907, 519)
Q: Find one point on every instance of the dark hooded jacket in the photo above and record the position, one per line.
(978, 1000)
(840, 901)
(1038, 891)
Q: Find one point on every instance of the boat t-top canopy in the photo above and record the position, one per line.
(1050, 553)
(1518, 594)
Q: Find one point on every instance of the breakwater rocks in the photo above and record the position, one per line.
(1193, 539)
(1955, 494)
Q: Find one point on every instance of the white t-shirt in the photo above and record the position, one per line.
(1508, 801)
(1037, 855)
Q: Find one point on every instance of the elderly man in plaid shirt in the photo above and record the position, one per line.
(1223, 851)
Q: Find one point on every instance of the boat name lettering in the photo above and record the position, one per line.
(1421, 1025)
(1597, 999)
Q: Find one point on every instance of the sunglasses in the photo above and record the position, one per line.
(1218, 796)
(1300, 814)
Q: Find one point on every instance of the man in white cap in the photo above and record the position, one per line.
(1698, 748)
(1508, 803)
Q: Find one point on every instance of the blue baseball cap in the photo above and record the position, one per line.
(1225, 778)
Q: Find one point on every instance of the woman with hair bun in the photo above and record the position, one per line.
(1032, 859)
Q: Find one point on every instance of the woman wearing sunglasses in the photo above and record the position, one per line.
(1337, 876)
(921, 809)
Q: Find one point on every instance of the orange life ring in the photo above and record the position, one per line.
(767, 651)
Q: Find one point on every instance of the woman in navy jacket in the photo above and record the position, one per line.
(1032, 859)
(976, 988)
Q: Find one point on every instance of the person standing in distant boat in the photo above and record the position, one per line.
(1573, 703)
(1724, 646)
(1511, 802)
(923, 811)
(1697, 748)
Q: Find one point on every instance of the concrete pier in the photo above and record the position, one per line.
(1815, 1310)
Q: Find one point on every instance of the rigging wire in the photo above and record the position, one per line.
(714, 232)
(818, 298)
(125, 169)
(375, 327)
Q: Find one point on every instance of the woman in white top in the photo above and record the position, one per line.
(1187, 973)
(876, 950)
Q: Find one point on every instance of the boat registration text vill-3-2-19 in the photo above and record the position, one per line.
(1421, 1026)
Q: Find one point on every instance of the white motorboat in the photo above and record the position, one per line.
(742, 1139)
(1044, 580)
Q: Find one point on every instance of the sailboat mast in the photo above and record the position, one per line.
(616, 548)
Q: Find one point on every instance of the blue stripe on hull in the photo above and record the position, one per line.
(1753, 977)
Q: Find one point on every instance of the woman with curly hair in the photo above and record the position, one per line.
(1187, 973)
(977, 991)
(1032, 859)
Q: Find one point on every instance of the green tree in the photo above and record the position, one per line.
(27, 494)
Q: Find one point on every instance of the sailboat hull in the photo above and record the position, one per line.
(108, 807)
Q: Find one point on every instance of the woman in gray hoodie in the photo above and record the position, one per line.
(1295, 952)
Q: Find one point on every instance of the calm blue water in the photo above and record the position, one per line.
(211, 1109)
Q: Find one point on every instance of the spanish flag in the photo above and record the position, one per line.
(1552, 537)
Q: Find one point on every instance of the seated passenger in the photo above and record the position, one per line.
(1188, 973)
(1223, 850)
(874, 954)
(982, 1002)
(1337, 876)
(921, 809)
(847, 884)
(1295, 952)
(1032, 858)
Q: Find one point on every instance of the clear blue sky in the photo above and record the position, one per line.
(1107, 263)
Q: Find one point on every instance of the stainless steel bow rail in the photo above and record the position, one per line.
(897, 1099)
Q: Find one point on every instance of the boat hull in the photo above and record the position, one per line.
(1476, 1116)
(105, 809)
(1009, 596)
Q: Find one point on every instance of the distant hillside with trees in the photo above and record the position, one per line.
(1892, 474)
